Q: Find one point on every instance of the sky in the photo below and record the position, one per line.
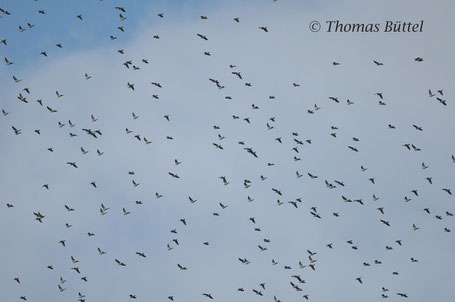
(288, 74)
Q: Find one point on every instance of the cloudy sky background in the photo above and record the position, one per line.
(271, 62)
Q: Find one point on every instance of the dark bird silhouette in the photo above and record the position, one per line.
(120, 263)
(202, 37)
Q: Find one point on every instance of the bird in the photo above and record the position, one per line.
(276, 191)
(141, 254)
(69, 209)
(312, 176)
(417, 127)
(448, 191)
(76, 269)
(223, 178)
(8, 62)
(385, 222)
(334, 99)
(120, 263)
(51, 110)
(207, 295)
(16, 131)
(173, 175)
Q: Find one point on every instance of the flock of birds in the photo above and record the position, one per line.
(295, 270)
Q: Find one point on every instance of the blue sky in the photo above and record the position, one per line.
(271, 62)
